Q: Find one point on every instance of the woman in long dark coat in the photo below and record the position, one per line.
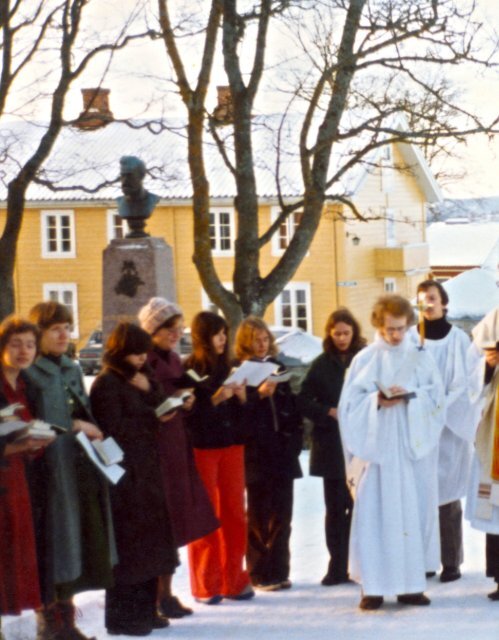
(73, 527)
(271, 462)
(190, 509)
(318, 400)
(123, 399)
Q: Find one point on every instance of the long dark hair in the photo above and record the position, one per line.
(342, 314)
(204, 360)
(126, 338)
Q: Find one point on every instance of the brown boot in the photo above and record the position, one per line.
(48, 623)
(69, 630)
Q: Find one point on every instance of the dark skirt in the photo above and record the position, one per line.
(190, 509)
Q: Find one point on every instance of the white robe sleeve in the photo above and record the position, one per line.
(363, 434)
(461, 416)
(425, 413)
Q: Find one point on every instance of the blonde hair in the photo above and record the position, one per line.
(246, 334)
(393, 305)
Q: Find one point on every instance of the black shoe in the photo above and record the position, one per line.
(160, 621)
(417, 599)
(431, 574)
(129, 630)
(171, 607)
(494, 595)
(371, 603)
(331, 580)
(449, 574)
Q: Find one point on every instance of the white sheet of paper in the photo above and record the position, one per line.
(253, 372)
(112, 472)
(483, 509)
(494, 494)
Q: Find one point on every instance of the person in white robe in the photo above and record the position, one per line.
(448, 345)
(482, 502)
(384, 441)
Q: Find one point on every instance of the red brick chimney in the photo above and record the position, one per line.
(96, 112)
(224, 111)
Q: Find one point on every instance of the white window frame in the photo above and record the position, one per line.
(113, 221)
(58, 253)
(290, 227)
(387, 169)
(59, 288)
(293, 288)
(217, 251)
(208, 305)
(390, 227)
(389, 285)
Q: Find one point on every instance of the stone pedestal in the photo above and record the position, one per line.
(134, 270)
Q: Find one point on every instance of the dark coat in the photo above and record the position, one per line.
(143, 533)
(190, 509)
(320, 391)
(70, 498)
(275, 435)
(216, 427)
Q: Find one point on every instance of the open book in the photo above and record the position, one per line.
(113, 472)
(9, 412)
(195, 376)
(108, 450)
(490, 345)
(253, 373)
(20, 429)
(388, 395)
(172, 403)
(280, 376)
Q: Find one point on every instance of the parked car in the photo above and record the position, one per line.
(90, 356)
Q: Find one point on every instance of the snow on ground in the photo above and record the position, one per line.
(459, 610)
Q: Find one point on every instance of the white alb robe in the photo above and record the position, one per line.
(455, 447)
(483, 512)
(391, 513)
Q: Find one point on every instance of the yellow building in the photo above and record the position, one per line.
(349, 263)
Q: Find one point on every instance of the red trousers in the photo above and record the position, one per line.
(217, 561)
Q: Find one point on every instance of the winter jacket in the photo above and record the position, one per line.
(275, 435)
(142, 527)
(320, 391)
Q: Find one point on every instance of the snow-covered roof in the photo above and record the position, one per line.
(83, 159)
(472, 293)
(466, 244)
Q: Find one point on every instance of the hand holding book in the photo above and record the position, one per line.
(390, 396)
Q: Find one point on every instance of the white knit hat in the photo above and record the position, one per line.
(156, 312)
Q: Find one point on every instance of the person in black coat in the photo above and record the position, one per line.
(271, 462)
(318, 400)
(123, 400)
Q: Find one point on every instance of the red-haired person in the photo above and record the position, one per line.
(271, 462)
(218, 431)
(391, 414)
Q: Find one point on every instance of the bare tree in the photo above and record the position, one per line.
(363, 74)
(41, 37)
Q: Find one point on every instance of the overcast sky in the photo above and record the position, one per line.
(138, 87)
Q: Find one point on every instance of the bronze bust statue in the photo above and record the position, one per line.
(136, 204)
